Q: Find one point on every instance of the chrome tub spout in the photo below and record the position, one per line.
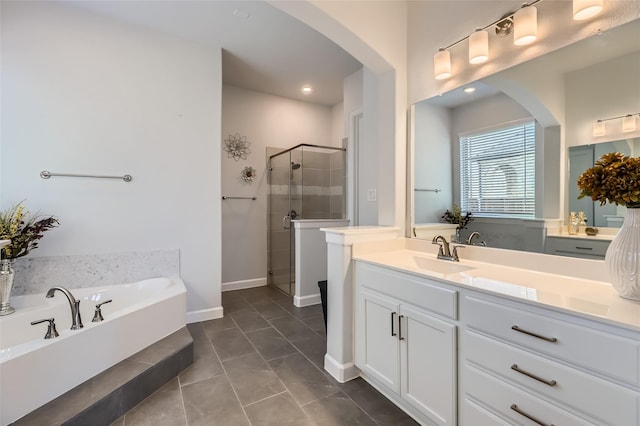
(76, 320)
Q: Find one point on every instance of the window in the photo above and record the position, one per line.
(497, 171)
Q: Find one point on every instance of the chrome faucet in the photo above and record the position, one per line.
(473, 235)
(444, 252)
(76, 321)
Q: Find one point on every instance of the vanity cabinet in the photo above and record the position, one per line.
(577, 246)
(524, 365)
(405, 343)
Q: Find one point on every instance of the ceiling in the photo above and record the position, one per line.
(264, 49)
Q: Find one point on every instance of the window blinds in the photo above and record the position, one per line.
(497, 171)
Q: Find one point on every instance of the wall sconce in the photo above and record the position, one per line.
(628, 124)
(524, 25)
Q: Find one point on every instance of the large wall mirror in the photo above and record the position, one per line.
(564, 93)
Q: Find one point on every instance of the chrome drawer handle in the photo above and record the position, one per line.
(533, 376)
(515, 408)
(584, 248)
(530, 333)
(393, 332)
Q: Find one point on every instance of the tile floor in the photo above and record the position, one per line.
(262, 365)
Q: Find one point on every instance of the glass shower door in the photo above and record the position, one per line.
(281, 234)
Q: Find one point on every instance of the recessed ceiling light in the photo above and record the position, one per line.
(469, 89)
(307, 90)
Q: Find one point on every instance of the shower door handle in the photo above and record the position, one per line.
(284, 222)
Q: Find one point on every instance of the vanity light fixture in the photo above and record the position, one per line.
(442, 64)
(628, 124)
(585, 9)
(479, 46)
(524, 25)
(598, 128)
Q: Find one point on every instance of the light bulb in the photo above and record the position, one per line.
(585, 9)
(525, 26)
(478, 47)
(442, 64)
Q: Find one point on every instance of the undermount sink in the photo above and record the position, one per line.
(439, 266)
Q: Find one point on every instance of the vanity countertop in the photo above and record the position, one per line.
(577, 286)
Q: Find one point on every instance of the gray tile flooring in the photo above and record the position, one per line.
(262, 365)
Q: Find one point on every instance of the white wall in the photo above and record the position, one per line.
(83, 94)
(266, 121)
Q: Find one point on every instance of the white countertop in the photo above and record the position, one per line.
(561, 290)
(598, 237)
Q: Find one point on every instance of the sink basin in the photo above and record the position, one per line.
(439, 266)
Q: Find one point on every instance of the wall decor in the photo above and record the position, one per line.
(237, 147)
(248, 174)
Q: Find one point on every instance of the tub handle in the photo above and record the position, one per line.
(97, 316)
(51, 329)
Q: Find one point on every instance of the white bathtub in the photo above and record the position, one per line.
(33, 371)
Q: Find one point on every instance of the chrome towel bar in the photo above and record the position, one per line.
(428, 190)
(47, 174)
(224, 197)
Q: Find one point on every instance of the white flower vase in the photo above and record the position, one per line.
(623, 257)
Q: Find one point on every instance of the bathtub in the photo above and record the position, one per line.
(33, 371)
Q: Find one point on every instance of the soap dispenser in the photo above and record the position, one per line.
(582, 223)
(572, 228)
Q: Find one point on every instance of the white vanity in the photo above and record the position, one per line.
(499, 338)
(580, 245)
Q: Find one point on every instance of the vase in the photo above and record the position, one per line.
(623, 256)
(6, 283)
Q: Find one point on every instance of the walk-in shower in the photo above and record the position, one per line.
(305, 182)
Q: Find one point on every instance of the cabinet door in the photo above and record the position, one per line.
(428, 353)
(381, 349)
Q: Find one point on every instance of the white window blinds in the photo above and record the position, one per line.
(497, 171)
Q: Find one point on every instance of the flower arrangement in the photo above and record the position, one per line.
(23, 230)
(456, 217)
(615, 178)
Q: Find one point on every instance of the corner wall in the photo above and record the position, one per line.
(85, 94)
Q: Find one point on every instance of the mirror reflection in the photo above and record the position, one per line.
(581, 158)
(518, 200)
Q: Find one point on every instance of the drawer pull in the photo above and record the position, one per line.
(400, 327)
(533, 376)
(584, 248)
(530, 333)
(515, 408)
(393, 331)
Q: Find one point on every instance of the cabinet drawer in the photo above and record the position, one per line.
(510, 403)
(595, 350)
(589, 248)
(610, 404)
(419, 292)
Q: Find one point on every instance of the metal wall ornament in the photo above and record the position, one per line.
(248, 174)
(237, 147)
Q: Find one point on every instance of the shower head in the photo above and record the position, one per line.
(295, 166)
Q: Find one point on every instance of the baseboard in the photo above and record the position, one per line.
(204, 315)
(239, 285)
(341, 372)
(312, 299)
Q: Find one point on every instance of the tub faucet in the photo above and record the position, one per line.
(76, 321)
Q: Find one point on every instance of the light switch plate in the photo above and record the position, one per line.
(371, 194)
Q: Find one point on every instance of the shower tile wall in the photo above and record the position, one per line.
(316, 185)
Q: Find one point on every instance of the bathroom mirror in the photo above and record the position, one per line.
(565, 92)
